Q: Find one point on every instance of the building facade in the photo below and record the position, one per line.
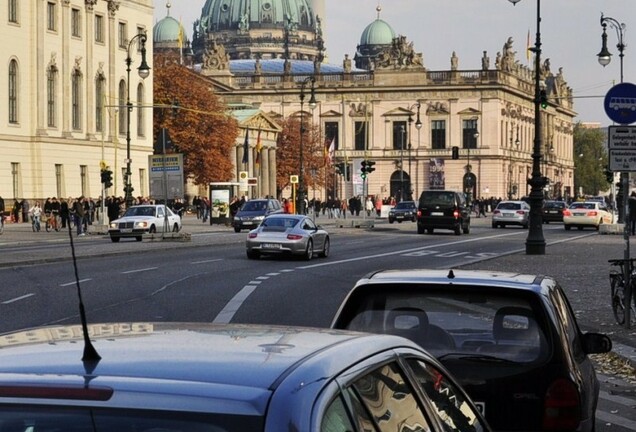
(65, 109)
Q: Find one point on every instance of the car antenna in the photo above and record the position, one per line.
(90, 357)
(451, 274)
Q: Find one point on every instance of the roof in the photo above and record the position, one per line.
(277, 66)
(379, 32)
(167, 30)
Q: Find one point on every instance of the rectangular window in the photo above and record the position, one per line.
(99, 28)
(143, 181)
(51, 16)
(58, 180)
(13, 91)
(123, 35)
(13, 11)
(399, 135)
(99, 104)
(360, 134)
(76, 101)
(331, 133)
(51, 86)
(469, 129)
(76, 23)
(16, 175)
(84, 179)
(438, 134)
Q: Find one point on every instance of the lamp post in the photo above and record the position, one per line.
(402, 131)
(418, 126)
(516, 142)
(535, 242)
(604, 58)
(144, 71)
(300, 200)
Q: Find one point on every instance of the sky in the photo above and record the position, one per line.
(570, 36)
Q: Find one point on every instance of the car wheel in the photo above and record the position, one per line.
(567, 227)
(390, 220)
(175, 228)
(152, 230)
(466, 229)
(138, 238)
(237, 230)
(494, 225)
(399, 221)
(420, 229)
(114, 239)
(429, 231)
(525, 226)
(580, 228)
(252, 254)
(309, 252)
(458, 229)
(325, 248)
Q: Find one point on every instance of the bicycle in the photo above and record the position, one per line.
(617, 286)
(52, 222)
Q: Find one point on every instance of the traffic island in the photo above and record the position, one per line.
(171, 236)
(611, 229)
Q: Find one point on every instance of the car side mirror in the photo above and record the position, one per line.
(596, 343)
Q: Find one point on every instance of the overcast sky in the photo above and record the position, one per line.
(570, 35)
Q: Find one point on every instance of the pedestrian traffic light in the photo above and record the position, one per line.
(455, 152)
(107, 178)
(543, 98)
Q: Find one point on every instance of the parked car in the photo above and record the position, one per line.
(586, 214)
(553, 211)
(225, 378)
(512, 340)
(511, 213)
(403, 211)
(443, 209)
(287, 234)
(254, 211)
(144, 219)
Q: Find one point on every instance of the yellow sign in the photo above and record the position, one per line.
(293, 179)
(243, 175)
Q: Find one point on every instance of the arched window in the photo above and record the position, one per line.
(76, 99)
(141, 130)
(100, 82)
(51, 100)
(13, 91)
(122, 107)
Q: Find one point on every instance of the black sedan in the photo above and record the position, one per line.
(553, 211)
(512, 340)
(403, 211)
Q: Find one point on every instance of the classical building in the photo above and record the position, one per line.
(65, 110)
(387, 106)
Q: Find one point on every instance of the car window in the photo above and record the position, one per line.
(457, 322)
(254, 206)
(336, 418)
(449, 403)
(580, 205)
(309, 225)
(437, 198)
(390, 400)
(509, 206)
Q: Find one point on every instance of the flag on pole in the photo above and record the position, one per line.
(332, 151)
(180, 38)
(528, 47)
(258, 148)
(246, 146)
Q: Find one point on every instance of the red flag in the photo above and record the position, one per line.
(259, 147)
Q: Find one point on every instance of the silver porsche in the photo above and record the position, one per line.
(288, 234)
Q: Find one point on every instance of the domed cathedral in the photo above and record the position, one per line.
(376, 38)
(261, 29)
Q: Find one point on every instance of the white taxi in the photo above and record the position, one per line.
(586, 214)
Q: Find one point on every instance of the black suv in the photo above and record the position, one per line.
(443, 209)
(254, 211)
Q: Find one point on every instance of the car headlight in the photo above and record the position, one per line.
(113, 224)
(141, 224)
(259, 218)
(237, 218)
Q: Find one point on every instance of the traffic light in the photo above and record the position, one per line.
(609, 175)
(370, 167)
(455, 152)
(363, 169)
(543, 99)
(107, 177)
(339, 167)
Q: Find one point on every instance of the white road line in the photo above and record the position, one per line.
(17, 299)
(206, 261)
(226, 315)
(75, 282)
(140, 270)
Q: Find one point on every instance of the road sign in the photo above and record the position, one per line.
(622, 160)
(620, 103)
(622, 137)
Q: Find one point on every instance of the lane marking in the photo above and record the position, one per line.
(140, 270)
(206, 261)
(230, 309)
(75, 282)
(13, 300)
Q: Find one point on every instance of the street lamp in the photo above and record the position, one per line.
(402, 131)
(144, 71)
(418, 126)
(535, 243)
(300, 200)
(517, 143)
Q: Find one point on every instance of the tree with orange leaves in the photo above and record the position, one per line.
(200, 127)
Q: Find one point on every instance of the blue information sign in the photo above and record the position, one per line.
(620, 103)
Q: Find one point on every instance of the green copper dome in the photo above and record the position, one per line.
(377, 33)
(167, 30)
(232, 14)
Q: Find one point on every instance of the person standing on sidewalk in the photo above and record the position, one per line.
(78, 215)
(631, 203)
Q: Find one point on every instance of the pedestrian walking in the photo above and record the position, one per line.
(77, 210)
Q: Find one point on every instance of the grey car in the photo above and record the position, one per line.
(225, 378)
(288, 234)
(511, 213)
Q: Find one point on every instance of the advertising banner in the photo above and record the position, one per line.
(436, 177)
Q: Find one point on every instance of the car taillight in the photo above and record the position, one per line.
(521, 212)
(456, 214)
(55, 392)
(419, 213)
(294, 236)
(567, 213)
(496, 212)
(562, 406)
(592, 213)
(252, 235)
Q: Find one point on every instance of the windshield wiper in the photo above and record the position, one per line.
(477, 358)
